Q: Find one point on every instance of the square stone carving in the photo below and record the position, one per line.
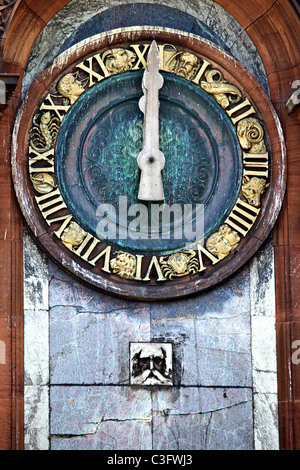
(151, 364)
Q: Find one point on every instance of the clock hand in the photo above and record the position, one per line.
(151, 160)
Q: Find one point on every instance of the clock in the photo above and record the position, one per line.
(149, 163)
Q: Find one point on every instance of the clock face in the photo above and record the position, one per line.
(77, 174)
(96, 163)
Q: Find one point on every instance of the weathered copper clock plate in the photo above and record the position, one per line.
(93, 167)
(76, 140)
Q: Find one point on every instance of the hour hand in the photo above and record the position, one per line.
(151, 160)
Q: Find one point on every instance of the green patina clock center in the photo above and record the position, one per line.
(96, 160)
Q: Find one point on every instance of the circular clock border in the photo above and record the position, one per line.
(204, 272)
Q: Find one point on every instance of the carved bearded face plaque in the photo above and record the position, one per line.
(151, 364)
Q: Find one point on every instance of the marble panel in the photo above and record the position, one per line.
(36, 347)
(65, 290)
(93, 347)
(36, 282)
(211, 335)
(102, 418)
(214, 352)
(226, 300)
(202, 419)
(36, 408)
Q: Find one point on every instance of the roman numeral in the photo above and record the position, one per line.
(40, 169)
(255, 164)
(106, 252)
(242, 217)
(138, 270)
(165, 55)
(82, 246)
(54, 107)
(92, 73)
(239, 107)
(212, 258)
(41, 156)
(46, 201)
(201, 71)
(154, 262)
(67, 219)
(140, 54)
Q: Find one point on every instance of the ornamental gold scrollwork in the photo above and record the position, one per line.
(253, 189)
(250, 134)
(73, 236)
(179, 264)
(124, 265)
(217, 86)
(223, 242)
(44, 134)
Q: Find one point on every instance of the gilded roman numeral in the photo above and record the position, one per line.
(106, 253)
(212, 258)
(138, 269)
(201, 71)
(239, 107)
(82, 246)
(91, 72)
(86, 254)
(41, 157)
(165, 52)
(154, 262)
(140, 54)
(40, 169)
(55, 107)
(255, 164)
(50, 203)
(242, 217)
(66, 219)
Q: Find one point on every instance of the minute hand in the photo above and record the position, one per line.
(151, 160)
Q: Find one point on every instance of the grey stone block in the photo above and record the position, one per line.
(93, 348)
(202, 419)
(102, 418)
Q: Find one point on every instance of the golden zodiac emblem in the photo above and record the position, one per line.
(45, 133)
(223, 242)
(251, 134)
(70, 87)
(124, 265)
(183, 64)
(253, 189)
(43, 183)
(119, 60)
(179, 264)
(73, 236)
